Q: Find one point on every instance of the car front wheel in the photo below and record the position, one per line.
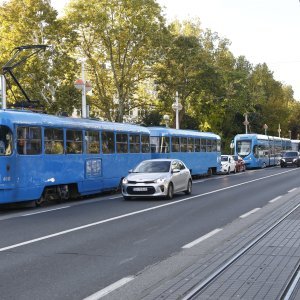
(170, 191)
(188, 191)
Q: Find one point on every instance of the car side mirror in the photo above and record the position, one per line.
(130, 171)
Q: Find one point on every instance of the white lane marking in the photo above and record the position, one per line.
(109, 289)
(133, 213)
(204, 237)
(111, 198)
(292, 190)
(249, 213)
(275, 199)
(124, 261)
(44, 211)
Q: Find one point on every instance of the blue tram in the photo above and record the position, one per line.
(260, 151)
(200, 151)
(50, 157)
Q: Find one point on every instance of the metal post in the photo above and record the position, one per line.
(279, 130)
(3, 91)
(83, 101)
(246, 122)
(177, 111)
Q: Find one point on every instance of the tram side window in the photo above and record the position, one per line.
(29, 140)
(122, 142)
(92, 140)
(164, 144)
(74, 141)
(5, 141)
(197, 145)
(154, 141)
(134, 142)
(203, 145)
(54, 141)
(108, 142)
(213, 145)
(190, 146)
(175, 144)
(208, 145)
(183, 145)
(145, 143)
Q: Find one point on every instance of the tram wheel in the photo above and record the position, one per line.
(40, 201)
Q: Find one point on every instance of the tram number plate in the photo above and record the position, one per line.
(140, 189)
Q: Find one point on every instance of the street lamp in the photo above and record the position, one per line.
(279, 130)
(166, 119)
(177, 107)
(290, 134)
(85, 87)
(265, 128)
(246, 122)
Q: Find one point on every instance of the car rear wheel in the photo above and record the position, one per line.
(188, 191)
(170, 191)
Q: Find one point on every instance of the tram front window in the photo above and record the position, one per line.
(243, 148)
(5, 141)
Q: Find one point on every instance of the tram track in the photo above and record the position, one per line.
(288, 290)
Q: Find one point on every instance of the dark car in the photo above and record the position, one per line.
(290, 158)
(240, 165)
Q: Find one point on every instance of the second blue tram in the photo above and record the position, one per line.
(200, 151)
(47, 157)
(260, 151)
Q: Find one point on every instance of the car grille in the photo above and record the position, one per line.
(135, 182)
(150, 190)
(289, 159)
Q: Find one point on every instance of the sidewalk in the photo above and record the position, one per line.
(262, 272)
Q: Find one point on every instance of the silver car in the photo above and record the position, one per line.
(156, 178)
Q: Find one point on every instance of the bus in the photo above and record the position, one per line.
(200, 151)
(44, 157)
(260, 151)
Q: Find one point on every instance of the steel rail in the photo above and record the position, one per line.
(196, 290)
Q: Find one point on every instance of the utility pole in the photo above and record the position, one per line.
(3, 91)
(177, 107)
(246, 122)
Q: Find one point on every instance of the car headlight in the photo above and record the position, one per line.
(283, 159)
(161, 180)
(295, 159)
(125, 180)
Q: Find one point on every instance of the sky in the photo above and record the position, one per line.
(264, 31)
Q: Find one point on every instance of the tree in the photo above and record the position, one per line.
(120, 40)
(50, 76)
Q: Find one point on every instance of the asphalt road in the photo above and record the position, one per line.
(75, 249)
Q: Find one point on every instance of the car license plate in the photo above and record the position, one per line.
(140, 189)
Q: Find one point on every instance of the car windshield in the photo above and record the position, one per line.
(153, 167)
(243, 148)
(224, 158)
(290, 154)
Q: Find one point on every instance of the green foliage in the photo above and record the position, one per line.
(120, 40)
(31, 22)
(136, 62)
